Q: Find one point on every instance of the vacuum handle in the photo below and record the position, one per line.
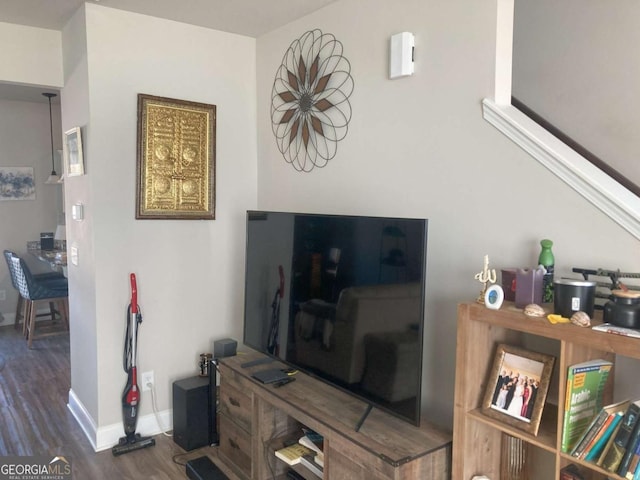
(281, 274)
(134, 294)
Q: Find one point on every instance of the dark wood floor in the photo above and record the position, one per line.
(34, 419)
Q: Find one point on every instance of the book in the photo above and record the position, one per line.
(571, 472)
(312, 440)
(634, 441)
(583, 399)
(590, 432)
(609, 443)
(623, 468)
(319, 459)
(633, 464)
(614, 455)
(598, 436)
(308, 462)
(293, 453)
(625, 465)
(595, 428)
(609, 328)
(594, 452)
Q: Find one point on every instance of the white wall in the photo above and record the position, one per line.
(418, 146)
(30, 55)
(190, 273)
(572, 66)
(25, 141)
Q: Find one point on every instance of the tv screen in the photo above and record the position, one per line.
(351, 309)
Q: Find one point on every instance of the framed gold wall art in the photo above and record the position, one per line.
(176, 159)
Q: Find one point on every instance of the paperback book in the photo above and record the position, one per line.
(596, 426)
(618, 448)
(631, 458)
(593, 454)
(312, 440)
(293, 453)
(583, 399)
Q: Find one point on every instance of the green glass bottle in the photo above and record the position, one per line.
(547, 261)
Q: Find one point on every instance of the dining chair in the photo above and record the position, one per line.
(20, 304)
(34, 292)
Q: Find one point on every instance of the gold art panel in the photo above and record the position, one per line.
(176, 159)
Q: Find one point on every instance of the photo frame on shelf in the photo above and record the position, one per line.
(72, 151)
(517, 387)
(176, 165)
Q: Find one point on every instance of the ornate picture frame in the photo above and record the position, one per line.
(72, 152)
(517, 387)
(175, 171)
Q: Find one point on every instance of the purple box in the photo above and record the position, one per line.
(529, 286)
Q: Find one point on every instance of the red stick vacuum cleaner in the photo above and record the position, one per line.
(131, 393)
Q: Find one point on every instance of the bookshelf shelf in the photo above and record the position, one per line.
(545, 440)
(480, 330)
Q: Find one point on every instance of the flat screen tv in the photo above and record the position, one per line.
(351, 308)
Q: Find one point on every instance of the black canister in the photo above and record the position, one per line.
(571, 296)
(623, 309)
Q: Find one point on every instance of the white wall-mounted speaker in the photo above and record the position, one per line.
(401, 55)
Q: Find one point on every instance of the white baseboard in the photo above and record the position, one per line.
(103, 438)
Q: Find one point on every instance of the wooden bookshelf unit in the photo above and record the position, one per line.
(257, 419)
(478, 439)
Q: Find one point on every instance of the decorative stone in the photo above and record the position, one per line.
(581, 319)
(533, 310)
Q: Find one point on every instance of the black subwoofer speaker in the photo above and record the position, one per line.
(192, 412)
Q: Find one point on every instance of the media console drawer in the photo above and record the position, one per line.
(235, 444)
(236, 405)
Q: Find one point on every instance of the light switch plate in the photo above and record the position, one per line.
(74, 255)
(77, 211)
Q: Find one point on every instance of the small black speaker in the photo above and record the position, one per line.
(191, 412)
(224, 348)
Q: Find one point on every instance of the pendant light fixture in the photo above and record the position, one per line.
(53, 178)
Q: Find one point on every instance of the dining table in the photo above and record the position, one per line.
(56, 258)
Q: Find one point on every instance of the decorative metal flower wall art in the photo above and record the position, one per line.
(310, 110)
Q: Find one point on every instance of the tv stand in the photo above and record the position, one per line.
(256, 419)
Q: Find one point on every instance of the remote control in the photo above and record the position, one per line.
(259, 361)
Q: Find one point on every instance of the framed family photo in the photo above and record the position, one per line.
(517, 387)
(72, 149)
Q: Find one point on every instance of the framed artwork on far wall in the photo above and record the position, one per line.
(17, 183)
(517, 387)
(72, 148)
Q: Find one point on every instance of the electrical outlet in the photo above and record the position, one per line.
(147, 378)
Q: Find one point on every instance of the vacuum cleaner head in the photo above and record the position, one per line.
(127, 444)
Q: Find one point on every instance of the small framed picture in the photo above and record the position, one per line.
(72, 149)
(517, 387)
